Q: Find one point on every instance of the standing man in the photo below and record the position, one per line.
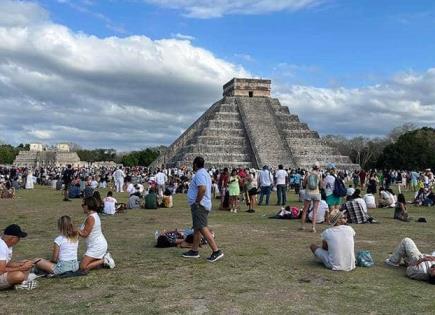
(119, 175)
(281, 177)
(67, 178)
(265, 182)
(199, 199)
(161, 179)
(14, 273)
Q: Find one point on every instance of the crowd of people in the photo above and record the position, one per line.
(328, 195)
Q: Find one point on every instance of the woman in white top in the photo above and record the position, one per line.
(96, 254)
(64, 257)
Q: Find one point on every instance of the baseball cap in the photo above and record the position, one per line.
(14, 230)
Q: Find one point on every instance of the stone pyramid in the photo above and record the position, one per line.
(248, 128)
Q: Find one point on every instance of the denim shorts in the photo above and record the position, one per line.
(65, 266)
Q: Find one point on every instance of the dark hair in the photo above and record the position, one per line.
(97, 196)
(280, 166)
(431, 279)
(401, 198)
(199, 162)
(163, 241)
(109, 194)
(233, 171)
(323, 194)
(356, 194)
(91, 203)
(189, 239)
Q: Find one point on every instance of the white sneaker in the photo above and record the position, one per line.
(235, 210)
(390, 263)
(32, 276)
(108, 261)
(27, 285)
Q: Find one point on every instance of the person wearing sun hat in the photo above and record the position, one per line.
(338, 249)
(13, 273)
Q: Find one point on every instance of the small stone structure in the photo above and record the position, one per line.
(40, 156)
(248, 128)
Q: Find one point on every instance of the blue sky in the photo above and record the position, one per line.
(133, 74)
(346, 43)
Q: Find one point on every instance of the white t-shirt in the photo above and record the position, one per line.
(94, 184)
(281, 175)
(131, 189)
(362, 204)
(5, 252)
(328, 184)
(109, 205)
(161, 178)
(67, 248)
(341, 249)
(370, 201)
(321, 210)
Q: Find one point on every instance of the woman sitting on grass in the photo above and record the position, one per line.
(400, 212)
(96, 255)
(64, 257)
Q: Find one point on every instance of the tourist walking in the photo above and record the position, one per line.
(119, 176)
(265, 181)
(199, 199)
(312, 195)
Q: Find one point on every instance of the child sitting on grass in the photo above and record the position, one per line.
(64, 256)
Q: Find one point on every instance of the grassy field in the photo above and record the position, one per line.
(267, 268)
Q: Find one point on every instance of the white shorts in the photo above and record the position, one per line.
(323, 255)
(97, 251)
(4, 284)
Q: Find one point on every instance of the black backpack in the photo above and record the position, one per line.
(339, 187)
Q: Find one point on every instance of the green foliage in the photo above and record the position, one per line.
(97, 155)
(412, 150)
(7, 154)
(142, 158)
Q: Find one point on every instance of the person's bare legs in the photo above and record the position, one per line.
(208, 236)
(314, 247)
(45, 265)
(304, 214)
(16, 277)
(89, 263)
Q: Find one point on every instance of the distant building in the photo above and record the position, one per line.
(40, 156)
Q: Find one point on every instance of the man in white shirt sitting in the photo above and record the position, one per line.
(109, 204)
(337, 251)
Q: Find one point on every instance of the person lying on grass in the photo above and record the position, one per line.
(96, 255)
(337, 251)
(419, 266)
(64, 256)
(13, 273)
(181, 239)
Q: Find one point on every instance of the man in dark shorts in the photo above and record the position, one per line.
(67, 178)
(199, 199)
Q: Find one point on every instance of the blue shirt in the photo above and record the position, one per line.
(297, 178)
(201, 178)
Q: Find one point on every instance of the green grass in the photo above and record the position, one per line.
(267, 269)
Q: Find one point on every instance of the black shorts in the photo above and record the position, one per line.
(66, 185)
(253, 191)
(199, 216)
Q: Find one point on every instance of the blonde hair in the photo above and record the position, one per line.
(65, 226)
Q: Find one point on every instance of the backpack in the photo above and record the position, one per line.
(339, 188)
(312, 181)
(364, 259)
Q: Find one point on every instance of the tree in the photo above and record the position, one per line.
(7, 154)
(141, 158)
(412, 150)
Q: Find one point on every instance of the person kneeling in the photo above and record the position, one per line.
(64, 258)
(419, 266)
(337, 250)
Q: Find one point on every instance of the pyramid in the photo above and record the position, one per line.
(248, 128)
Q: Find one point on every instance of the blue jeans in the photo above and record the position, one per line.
(281, 193)
(264, 190)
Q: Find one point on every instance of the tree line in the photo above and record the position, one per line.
(143, 157)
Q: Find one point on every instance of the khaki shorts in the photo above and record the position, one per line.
(4, 284)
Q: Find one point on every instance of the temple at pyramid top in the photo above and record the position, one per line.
(247, 87)
(249, 128)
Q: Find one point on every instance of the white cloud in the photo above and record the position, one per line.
(183, 36)
(126, 93)
(371, 111)
(218, 8)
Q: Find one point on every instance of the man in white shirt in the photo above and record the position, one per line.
(119, 175)
(337, 251)
(161, 179)
(419, 266)
(265, 182)
(109, 204)
(281, 176)
(13, 273)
